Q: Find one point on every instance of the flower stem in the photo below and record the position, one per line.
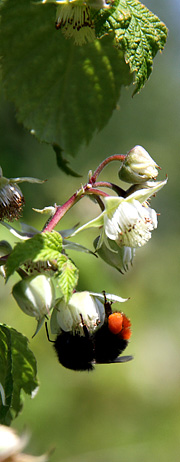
(63, 209)
(87, 189)
(105, 162)
(60, 212)
(113, 186)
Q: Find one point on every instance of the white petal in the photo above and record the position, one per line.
(110, 297)
(131, 224)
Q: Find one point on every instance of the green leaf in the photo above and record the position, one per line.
(67, 277)
(41, 247)
(17, 372)
(45, 247)
(52, 246)
(138, 32)
(64, 93)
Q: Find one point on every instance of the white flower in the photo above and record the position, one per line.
(127, 221)
(130, 224)
(11, 446)
(83, 308)
(75, 22)
(138, 166)
(97, 4)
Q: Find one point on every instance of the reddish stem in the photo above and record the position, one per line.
(96, 192)
(120, 157)
(61, 210)
(105, 184)
(86, 190)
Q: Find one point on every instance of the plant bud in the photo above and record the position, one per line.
(138, 167)
(35, 295)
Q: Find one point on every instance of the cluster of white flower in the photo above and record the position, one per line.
(84, 323)
(127, 222)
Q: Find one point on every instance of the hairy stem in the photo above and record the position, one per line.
(119, 157)
(63, 209)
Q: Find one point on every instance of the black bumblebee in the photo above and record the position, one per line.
(103, 345)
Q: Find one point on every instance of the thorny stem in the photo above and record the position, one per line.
(60, 212)
(120, 157)
(63, 209)
(87, 189)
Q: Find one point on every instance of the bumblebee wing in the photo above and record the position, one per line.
(120, 359)
(123, 359)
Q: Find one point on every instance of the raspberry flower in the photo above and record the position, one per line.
(75, 22)
(11, 446)
(127, 221)
(83, 308)
(74, 18)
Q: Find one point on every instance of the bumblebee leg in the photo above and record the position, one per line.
(85, 329)
(47, 333)
(107, 306)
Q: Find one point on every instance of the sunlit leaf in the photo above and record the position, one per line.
(67, 277)
(62, 92)
(138, 32)
(41, 247)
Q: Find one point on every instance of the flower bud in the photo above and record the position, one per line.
(82, 308)
(35, 295)
(138, 166)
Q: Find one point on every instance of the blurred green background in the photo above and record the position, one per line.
(127, 412)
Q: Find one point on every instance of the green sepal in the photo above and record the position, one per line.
(119, 258)
(95, 223)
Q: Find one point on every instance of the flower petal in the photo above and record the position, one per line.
(131, 224)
